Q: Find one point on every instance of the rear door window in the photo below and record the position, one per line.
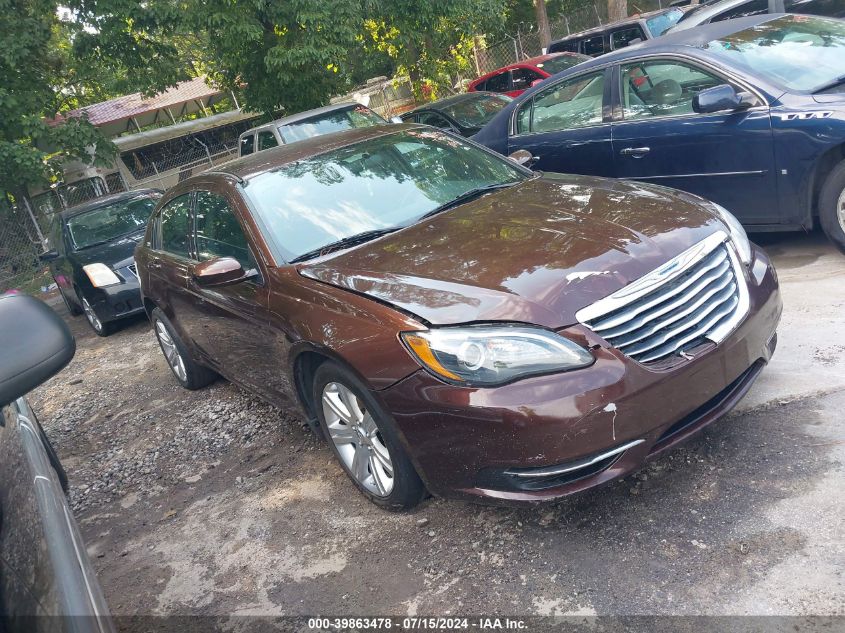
(570, 104)
(624, 37)
(522, 78)
(266, 140)
(593, 46)
(499, 83)
(175, 226)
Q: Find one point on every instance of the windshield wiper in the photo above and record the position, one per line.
(828, 86)
(346, 242)
(84, 246)
(467, 196)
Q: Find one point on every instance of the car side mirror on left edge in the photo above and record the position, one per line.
(220, 271)
(396, 119)
(35, 342)
(721, 98)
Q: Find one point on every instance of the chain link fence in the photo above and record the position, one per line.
(21, 241)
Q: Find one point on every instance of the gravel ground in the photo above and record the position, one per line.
(213, 502)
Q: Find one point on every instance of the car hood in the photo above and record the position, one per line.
(114, 253)
(534, 253)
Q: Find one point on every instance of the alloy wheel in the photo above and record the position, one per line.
(92, 317)
(355, 434)
(171, 352)
(840, 210)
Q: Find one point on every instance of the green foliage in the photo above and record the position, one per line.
(432, 41)
(34, 67)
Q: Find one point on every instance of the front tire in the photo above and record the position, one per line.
(832, 206)
(364, 439)
(190, 374)
(100, 328)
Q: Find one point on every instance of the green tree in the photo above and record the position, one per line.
(34, 86)
(432, 41)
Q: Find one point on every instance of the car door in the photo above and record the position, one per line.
(170, 261)
(567, 126)
(500, 82)
(522, 79)
(727, 157)
(230, 323)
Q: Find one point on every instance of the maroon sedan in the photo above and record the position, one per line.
(453, 322)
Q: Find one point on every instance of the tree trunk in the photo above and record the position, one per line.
(543, 24)
(617, 10)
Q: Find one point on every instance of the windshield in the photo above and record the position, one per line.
(659, 24)
(561, 63)
(476, 112)
(335, 121)
(110, 221)
(796, 52)
(381, 183)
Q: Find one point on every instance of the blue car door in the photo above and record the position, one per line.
(567, 126)
(727, 157)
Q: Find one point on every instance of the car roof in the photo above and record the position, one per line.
(106, 200)
(261, 162)
(675, 42)
(307, 114)
(633, 19)
(452, 100)
(704, 13)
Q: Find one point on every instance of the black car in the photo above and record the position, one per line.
(733, 9)
(92, 258)
(46, 580)
(464, 114)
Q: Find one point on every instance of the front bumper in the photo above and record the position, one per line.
(111, 303)
(519, 442)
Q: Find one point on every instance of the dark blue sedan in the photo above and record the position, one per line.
(748, 113)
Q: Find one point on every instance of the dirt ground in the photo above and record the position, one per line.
(213, 502)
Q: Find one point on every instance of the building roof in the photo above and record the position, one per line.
(116, 115)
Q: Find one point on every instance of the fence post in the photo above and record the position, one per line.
(475, 42)
(516, 51)
(34, 222)
(596, 8)
(568, 32)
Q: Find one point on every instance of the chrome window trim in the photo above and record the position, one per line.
(671, 56)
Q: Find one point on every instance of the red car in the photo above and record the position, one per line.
(515, 79)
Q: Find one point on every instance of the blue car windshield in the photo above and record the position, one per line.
(797, 52)
(658, 25)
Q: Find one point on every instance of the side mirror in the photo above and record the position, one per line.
(36, 344)
(220, 271)
(523, 157)
(48, 256)
(721, 98)
(396, 119)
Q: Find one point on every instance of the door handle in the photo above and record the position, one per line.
(636, 152)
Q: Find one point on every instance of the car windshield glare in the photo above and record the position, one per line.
(477, 112)
(796, 52)
(336, 121)
(110, 221)
(659, 24)
(381, 183)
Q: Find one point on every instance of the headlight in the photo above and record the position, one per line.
(101, 275)
(487, 356)
(738, 234)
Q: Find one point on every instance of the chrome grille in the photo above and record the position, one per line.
(697, 296)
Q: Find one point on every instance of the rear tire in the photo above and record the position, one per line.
(832, 206)
(364, 439)
(190, 374)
